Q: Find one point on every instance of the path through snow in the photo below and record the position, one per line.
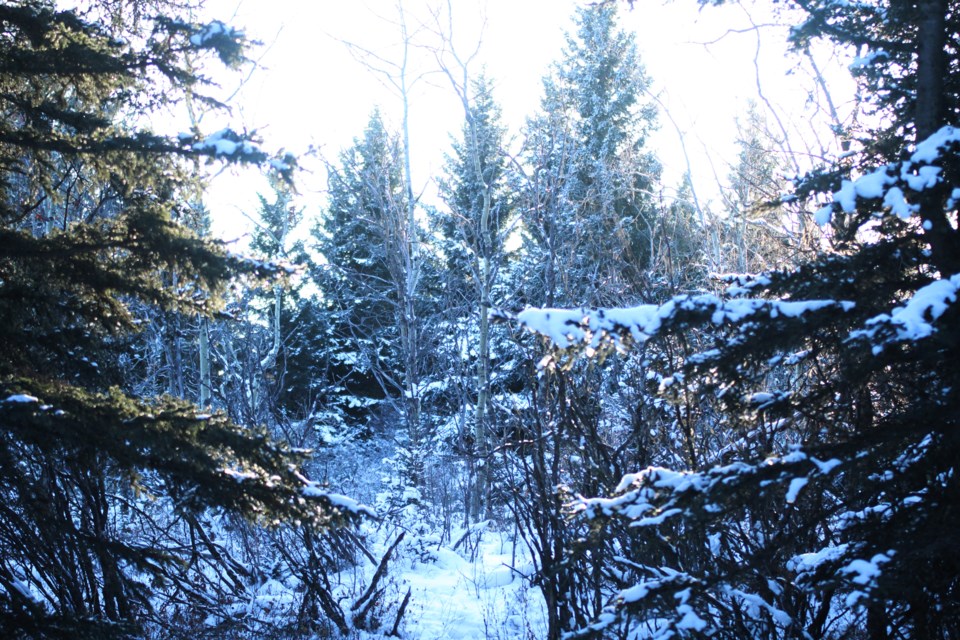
(455, 598)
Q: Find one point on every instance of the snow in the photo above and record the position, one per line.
(565, 327)
(873, 185)
(225, 143)
(928, 151)
(895, 200)
(888, 182)
(824, 215)
(638, 591)
(865, 572)
(282, 165)
(878, 184)
(214, 30)
(762, 399)
(915, 319)
(744, 283)
(826, 467)
(795, 486)
(808, 562)
(953, 199)
(21, 398)
(456, 598)
(239, 476)
(657, 519)
(869, 59)
(25, 591)
(924, 178)
(689, 619)
(568, 327)
(340, 502)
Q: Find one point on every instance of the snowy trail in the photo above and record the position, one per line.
(455, 598)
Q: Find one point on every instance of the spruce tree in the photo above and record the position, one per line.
(273, 241)
(758, 232)
(474, 232)
(359, 291)
(832, 510)
(463, 189)
(590, 206)
(89, 201)
(590, 227)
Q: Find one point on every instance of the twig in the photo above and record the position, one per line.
(362, 605)
(394, 632)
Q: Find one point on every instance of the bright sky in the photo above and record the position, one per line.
(312, 92)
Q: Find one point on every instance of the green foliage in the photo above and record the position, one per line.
(89, 243)
(589, 198)
(820, 481)
(204, 459)
(359, 240)
(463, 190)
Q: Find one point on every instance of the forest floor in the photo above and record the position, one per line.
(479, 598)
(463, 584)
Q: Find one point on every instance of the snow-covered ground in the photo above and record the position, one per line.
(487, 597)
(463, 584)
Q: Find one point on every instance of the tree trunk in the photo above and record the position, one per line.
(206, 381)
(929, 113)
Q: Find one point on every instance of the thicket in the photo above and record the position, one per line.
(178, 423)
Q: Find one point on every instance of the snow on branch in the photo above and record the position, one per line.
(654, 496)
(226, 42)
(338, 502)
(212, 32)
(912, 321)
(593, 329)
(894, 185)
(231, 147)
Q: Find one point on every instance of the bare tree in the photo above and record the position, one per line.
(477, 229)
(399, 76)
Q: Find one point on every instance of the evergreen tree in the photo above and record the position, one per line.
(591, 229)
(359, 290)
(88, 228)
(473, 235)
(590, 177)
(758, 232)
(678, 257)
(273, 240)
(832, 512)
(469, 237)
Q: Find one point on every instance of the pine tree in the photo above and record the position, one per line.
(832, 510)
(88, 228)
(359, 290)
(590, 176)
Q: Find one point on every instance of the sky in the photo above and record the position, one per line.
(309, 91)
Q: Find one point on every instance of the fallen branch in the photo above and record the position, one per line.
(362, 606)
(394, 632)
